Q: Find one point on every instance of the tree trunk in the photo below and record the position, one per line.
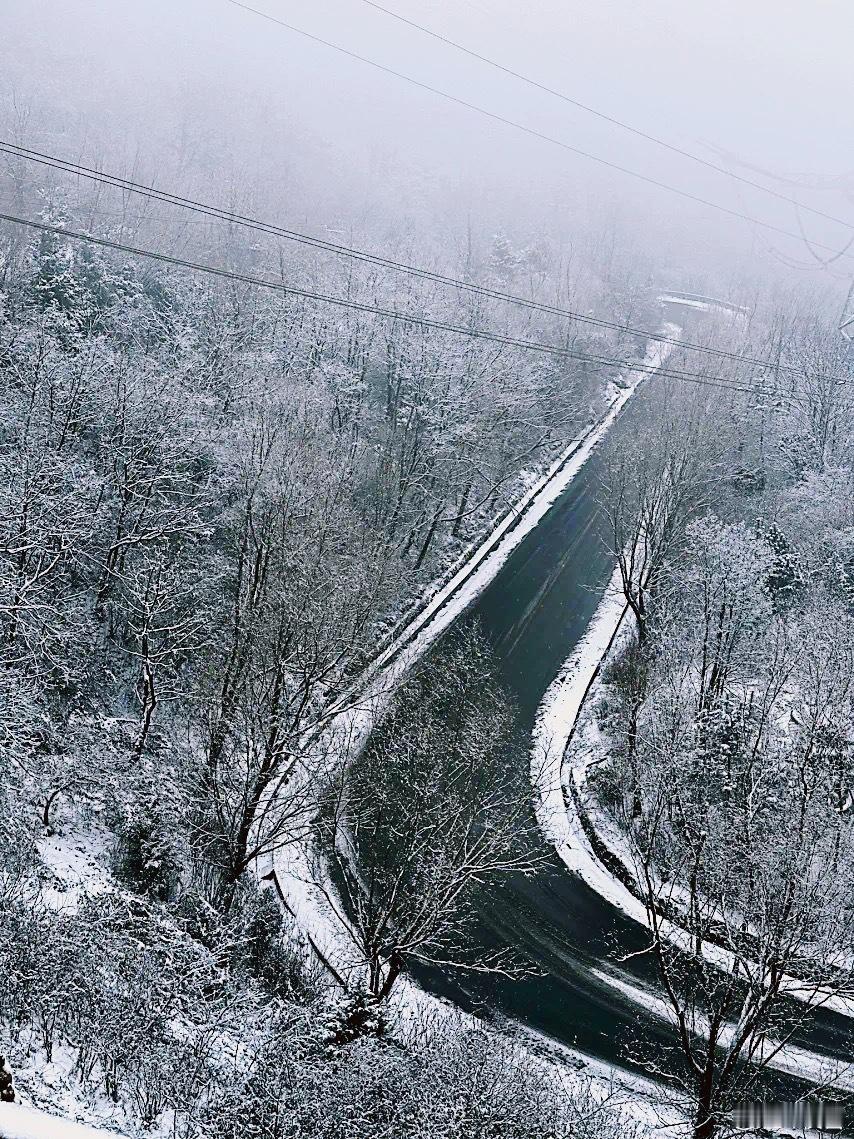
(458, 521)
(395, 968)
(51, 799)
(705, 1126)
(426, 544)
(705, 1123)
(149, 703)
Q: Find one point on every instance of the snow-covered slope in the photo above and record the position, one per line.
(19, 1122)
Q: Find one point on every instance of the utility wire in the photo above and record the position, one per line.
(532, 131)
(220, 214)
(406, 318)
(602, 115)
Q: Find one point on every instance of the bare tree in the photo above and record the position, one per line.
(298, 596)
(163, 627)
(653, 486)
(745, 865)
(431, 813)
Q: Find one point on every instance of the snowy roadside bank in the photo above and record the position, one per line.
(559, 770)
(788, 1058)
(563, 747)
(555, 725)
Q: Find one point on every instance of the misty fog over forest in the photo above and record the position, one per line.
(426, 569)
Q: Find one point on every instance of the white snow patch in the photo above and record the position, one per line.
(78, 862)
(559, 711)
(20, 1122)
(702, 305)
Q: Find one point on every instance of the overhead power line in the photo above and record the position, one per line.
(405, 318)
(152, 193)
(604, 116)
(531, 131)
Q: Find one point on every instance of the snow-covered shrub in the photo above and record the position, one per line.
(357, 1015)
(266, 944)
(452, 1084)
(148, 853)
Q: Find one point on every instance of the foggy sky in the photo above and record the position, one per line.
(764, 83)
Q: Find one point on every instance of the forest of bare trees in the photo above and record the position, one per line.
(279, 351)
(216, 504)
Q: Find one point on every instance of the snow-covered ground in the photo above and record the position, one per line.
(78, 863)
(20, 1122)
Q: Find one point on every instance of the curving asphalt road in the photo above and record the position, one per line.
(533, 613)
